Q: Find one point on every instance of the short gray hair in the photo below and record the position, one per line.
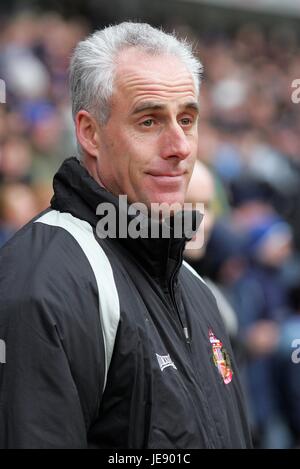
(92, 68)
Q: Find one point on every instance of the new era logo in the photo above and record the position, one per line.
(164, 361)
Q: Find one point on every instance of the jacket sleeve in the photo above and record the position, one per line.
(40, 405)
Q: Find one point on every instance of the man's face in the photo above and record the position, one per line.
(148, 146)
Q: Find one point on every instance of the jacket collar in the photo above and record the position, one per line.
(76, 192)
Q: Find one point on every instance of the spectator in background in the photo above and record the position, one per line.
(202, 190)
(288, 362)
(36, 128)
(18, 205)
(269, 244)
(16, 160)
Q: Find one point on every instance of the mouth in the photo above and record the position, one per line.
(166, 186)
(167, 181)
(167, 176)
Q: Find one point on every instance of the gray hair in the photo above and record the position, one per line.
(93, 64)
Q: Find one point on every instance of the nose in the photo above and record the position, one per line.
(174, 143)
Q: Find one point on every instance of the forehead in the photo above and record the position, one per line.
(140, 76)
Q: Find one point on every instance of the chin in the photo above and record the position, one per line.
(169, 199)
(165, 190)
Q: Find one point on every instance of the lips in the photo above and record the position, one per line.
(167, 181)
(168, 174)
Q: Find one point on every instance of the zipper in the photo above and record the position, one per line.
(188, 342)
(174, 302)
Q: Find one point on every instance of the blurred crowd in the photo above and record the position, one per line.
(249, 142)
(36, 128)
(250, 148)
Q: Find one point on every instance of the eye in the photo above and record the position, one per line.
(185, 121)
(148, 123)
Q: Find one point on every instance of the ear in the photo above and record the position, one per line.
(87, 132)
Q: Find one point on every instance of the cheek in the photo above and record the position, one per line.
(139, 156)
(131, 163)
(194, 152)
(130, 146)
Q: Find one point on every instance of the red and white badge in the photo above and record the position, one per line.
(221, 358)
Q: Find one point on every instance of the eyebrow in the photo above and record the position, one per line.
(154, 106)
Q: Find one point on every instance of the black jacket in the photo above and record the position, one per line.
(109, 343)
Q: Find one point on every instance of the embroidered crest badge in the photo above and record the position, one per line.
(221, 357)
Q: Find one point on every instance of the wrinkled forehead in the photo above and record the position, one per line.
(138, 71)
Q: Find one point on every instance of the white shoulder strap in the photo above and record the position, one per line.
(193, 271)
(109, 307)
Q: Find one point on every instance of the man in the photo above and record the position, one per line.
(112, 342)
